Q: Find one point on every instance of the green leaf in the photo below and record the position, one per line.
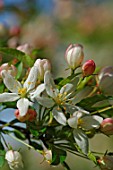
(34, 132)
(92, 157)
(19, 134)
(19, 67)
(1, 146)
(58, 156)
(1, 88)
(2, 158)
(36, 145)
(10, 54)
(88, 102)
(82, 140)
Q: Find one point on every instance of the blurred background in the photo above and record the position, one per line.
(50, 26)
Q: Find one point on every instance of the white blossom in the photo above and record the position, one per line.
(14, 159)
(19, 92)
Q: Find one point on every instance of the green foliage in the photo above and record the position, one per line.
(2, 158)
(10, 54)
(58, 155)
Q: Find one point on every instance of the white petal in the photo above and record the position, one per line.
(10, 82)
(66, 88)
(73, 121)
(23, 105)
(9, 156)
(50, 85)
(32, 78)
(8, 97)
(81, 140)
(45, 101)
(38, 91)
(59, 116)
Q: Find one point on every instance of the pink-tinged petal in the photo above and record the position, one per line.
(10, 82)
(8, 97)
(23, 105)
(32, 78)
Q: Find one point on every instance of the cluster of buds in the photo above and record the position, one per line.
(74, 56)
(14, 159)
(43, 66)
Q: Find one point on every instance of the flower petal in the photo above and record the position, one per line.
(59, 116)
(81, 139)
(10, 82)
(32, 78)
(38, 91)
(45, 101)
(8, 97)
(66, 88)
(73, 121)
(23, 105)
(90, 122)
(50, 85)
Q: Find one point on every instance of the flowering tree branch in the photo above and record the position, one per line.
(60, 115)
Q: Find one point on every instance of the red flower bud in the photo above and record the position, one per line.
(30, 115)
(106, 162)
(88, 67)
(107, 126)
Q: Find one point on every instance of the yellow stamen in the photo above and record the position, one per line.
(22, 92)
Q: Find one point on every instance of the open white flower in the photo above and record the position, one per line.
(14, 159)
(84, 120)
(19, 92)
(55, 98)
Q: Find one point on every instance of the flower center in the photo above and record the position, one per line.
(61, 98)
(22, 92)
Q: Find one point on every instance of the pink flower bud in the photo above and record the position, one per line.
(107, 126)
(26, 48)
(74, 55)
(11, 69)
(43, 66)
(88, 68)
(30, 115)
(106, 162)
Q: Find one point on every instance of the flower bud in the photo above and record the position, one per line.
(107, 126)
(26, 48)
(74, 55)
(88, 68)
(43, 66)
(14, 159)
(10, 68)
(30, 115)
(106, 162)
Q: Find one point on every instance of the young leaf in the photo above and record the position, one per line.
(2, 158)
(58, 156)
(10, 54)
(19, 67)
